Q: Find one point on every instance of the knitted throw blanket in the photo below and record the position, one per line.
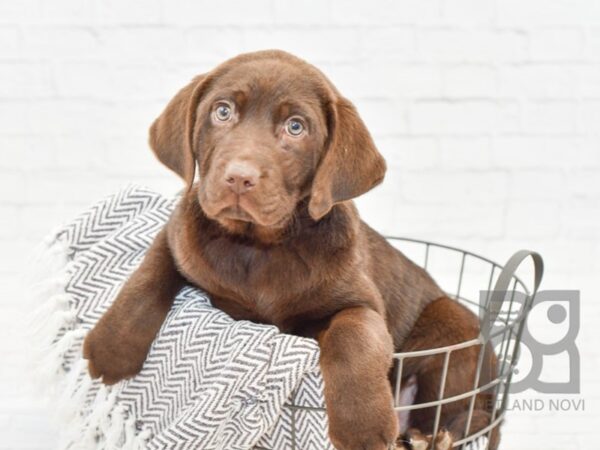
(209, 382)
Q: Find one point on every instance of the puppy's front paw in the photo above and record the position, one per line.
(364, 425)
(110, 356)
(415, 440)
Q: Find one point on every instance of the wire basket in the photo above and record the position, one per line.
(489, 290)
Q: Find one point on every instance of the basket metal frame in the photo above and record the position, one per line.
(510, 328)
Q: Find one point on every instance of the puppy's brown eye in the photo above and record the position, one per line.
(223, 112)
(294, 127)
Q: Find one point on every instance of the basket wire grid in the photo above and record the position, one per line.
(502, 316)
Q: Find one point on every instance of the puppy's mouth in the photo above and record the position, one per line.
(239, 214)
(235, 212)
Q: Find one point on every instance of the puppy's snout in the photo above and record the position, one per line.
(241, 177)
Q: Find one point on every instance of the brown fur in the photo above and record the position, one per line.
(292, 250)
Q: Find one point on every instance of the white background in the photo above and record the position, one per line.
(488, 113)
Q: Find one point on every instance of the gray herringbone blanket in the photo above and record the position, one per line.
(209, 382)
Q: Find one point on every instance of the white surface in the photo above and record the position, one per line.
(488, 113)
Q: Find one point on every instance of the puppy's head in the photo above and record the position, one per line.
(266, 131)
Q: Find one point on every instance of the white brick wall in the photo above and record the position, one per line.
(488, 112)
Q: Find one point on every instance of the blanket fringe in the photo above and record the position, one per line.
(52, 334)
(51, 314)
(107, 426)
(73, 396)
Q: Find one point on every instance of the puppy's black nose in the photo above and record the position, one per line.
(241, 177)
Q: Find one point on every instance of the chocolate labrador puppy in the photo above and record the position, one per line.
(270, 232)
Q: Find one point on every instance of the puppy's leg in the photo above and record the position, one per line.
(356, 355)
(445, 322)
(117, 346)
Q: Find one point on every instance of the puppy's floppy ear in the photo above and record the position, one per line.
(352, 165)
(172, 133)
